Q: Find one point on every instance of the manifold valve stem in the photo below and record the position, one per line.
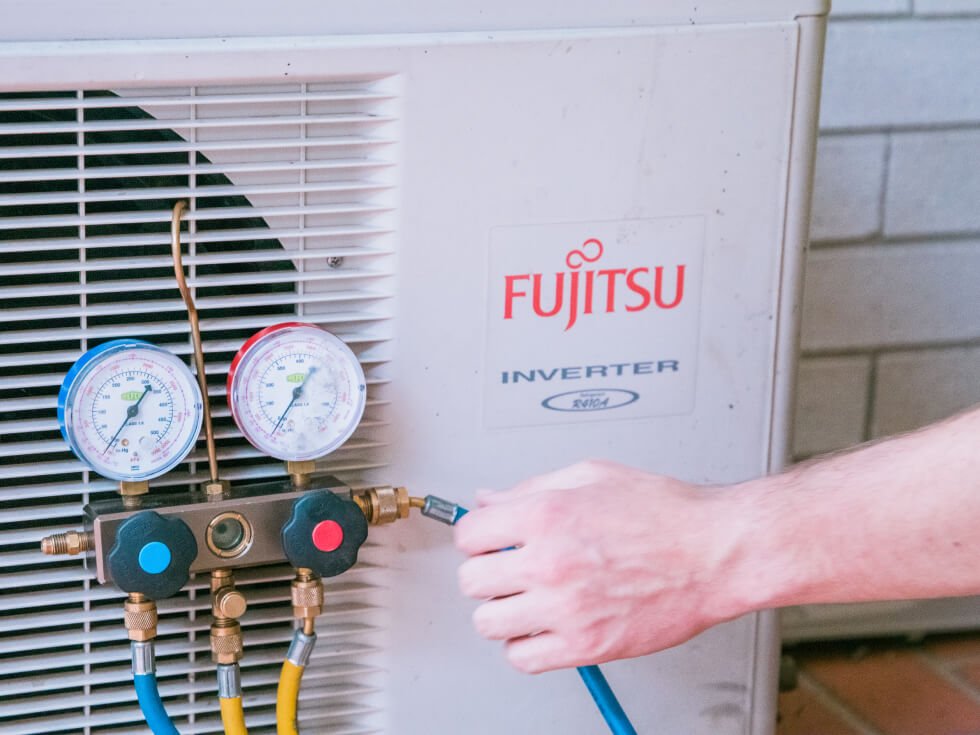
(71, 543)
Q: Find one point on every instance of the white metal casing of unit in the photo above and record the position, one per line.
(673, 136)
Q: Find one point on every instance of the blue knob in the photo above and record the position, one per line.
(155, 557)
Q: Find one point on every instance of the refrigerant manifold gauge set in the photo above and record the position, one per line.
(132, 412)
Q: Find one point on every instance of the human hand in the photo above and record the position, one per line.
(611, 562)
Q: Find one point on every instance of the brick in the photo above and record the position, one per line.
(946, 7)
(831, 400)
(802, 713)
(847, 187)
(865, 296)
(897, 693)
(934, 183)
(917, 388)
(970, 675)
(902, 72)
(844, 8)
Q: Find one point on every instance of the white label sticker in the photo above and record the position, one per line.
(593, 321)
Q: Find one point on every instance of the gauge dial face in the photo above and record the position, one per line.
(130, 410)
(296, 391)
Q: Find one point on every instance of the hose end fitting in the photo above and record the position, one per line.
(144, 657)
(442, 510)
(301, 648)
(229, 681)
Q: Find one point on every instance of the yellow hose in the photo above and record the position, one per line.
(286, 698)
(233, 716)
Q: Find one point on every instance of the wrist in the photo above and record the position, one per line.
(767, 568)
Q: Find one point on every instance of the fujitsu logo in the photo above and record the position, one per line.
(577, 292)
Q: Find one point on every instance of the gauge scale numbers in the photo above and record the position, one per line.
(296, 391)
(131, 411)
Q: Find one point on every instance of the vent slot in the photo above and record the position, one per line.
(282, 181)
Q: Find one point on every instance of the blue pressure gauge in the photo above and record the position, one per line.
(130, 410)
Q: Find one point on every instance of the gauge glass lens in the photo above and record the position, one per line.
(130, 410)
(296, 391)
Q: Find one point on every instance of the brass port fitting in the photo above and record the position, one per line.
(141, 617)
(227, 605)
(71, 543)
(383, 504)
(129, 488)
(216, 488)
(306, 591)
(300, 471)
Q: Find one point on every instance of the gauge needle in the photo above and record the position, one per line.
(130, 413)
(297, 392)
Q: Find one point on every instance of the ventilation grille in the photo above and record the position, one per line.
(290, 216)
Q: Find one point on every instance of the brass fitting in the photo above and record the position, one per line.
(71, 543)
(215, 488)
(300, 471)
(141, 617)
(129, 488)
(383, 504)
(227, 605)
(228, 602)
(226, 641)
(306, 591)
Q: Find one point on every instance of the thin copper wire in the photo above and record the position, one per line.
(185, 293)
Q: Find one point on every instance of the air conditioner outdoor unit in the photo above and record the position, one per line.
(547, 230)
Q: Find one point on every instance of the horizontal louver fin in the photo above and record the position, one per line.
(291, 216)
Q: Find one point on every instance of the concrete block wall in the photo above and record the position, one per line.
(891, 324)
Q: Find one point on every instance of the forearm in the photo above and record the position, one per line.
(899, 519)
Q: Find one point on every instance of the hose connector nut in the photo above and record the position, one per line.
(306, 591)
(140, 615)
(383, 504)
(226, 642)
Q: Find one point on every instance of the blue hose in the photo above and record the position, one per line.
(595, 681)
(605, 699)
(149, 698)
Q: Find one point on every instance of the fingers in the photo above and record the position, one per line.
(488, 529)
(508, 617)
(493, 575)
(537, 653)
